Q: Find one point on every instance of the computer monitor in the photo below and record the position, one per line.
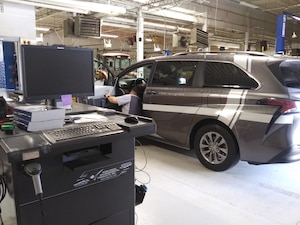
(49, 72)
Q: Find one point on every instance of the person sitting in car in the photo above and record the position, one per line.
(131, 103)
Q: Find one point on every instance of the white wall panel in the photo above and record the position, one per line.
(17, 21)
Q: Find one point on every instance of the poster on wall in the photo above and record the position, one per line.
(2, 67)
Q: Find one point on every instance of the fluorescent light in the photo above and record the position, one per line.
(67, 9)
(249, 5)
(106, 35)
(90, 6)
(109, 35)
(42, 28)
(174, 15)
(73, 6)
(224, 44)
(187, 11)
(296, 18)
(141, 1)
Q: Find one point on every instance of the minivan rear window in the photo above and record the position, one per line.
(227, 75)
(290, 70)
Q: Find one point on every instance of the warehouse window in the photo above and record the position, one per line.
(227, 75)
(176, 73)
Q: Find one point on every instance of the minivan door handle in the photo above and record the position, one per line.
(151, 92)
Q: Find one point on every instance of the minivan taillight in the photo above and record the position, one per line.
(285, 106)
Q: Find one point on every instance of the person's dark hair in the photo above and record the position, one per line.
(139, 90)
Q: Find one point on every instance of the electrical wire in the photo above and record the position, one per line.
(144, 152)
(142, 169)
(42, 208)
(3, 190)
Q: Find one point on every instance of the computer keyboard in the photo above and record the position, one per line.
(82, 130)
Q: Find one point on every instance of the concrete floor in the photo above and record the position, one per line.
(183, 192)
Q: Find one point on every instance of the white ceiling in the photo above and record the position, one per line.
(226, 20)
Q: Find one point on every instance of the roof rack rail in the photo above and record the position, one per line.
(253, 53)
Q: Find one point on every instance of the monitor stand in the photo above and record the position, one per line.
(80, 108)
(75, 108)
(57, 103)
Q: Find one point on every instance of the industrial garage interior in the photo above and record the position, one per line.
(178, 189)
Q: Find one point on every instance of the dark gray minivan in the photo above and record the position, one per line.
(227, 106)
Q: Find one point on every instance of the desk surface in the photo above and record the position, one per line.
(78, 108)
(14, 146)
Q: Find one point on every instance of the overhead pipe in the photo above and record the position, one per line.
(112, 20)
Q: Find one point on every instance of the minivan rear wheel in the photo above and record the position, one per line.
(216, 148)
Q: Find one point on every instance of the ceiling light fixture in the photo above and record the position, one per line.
(106, 36)
(42, 29)
(295, 18)
(175, 15)
(249, 5)
(109, 35)
(74, 6)
(43, 5)
(90, 6)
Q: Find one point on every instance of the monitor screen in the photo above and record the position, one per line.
(48, 72)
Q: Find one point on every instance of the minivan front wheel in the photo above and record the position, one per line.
(216, 148)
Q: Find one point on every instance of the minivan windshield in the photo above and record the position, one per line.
(290, 70)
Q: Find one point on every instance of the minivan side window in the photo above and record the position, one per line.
(142, 71)
(227, 75)
(174, 73)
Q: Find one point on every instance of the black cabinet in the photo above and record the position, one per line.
(86, 181)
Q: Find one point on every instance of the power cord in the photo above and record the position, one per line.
(142, 169)
(140, 190)
(3, 190)
(42, 207)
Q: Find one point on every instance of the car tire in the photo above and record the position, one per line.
(216, 148)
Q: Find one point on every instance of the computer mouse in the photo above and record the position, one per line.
(70, 119)
(131, 119)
